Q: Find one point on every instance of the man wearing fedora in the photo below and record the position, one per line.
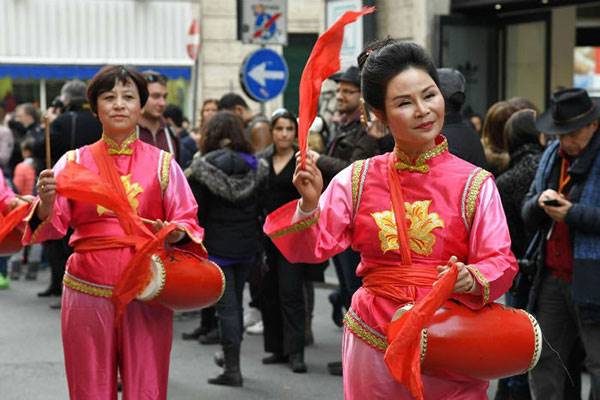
(564, 204)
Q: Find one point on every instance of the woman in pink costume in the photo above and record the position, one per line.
(96, 343)
(452, 209)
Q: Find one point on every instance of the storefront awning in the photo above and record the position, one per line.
(30, 71)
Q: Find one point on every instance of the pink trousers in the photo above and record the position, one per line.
(94, 348)
(366, 377)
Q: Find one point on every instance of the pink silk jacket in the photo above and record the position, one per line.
(452, 209)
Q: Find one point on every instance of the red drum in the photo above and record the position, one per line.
(11, 242)
(490, 343)
(183, 281)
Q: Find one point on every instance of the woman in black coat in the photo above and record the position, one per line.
(283, 305)
(224, 180)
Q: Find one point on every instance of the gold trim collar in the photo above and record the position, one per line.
(420, 165)
(124, 149)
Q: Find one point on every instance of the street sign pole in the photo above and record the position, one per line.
(263, 104)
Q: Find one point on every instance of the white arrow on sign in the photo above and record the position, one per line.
(260, 74)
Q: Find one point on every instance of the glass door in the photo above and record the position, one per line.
(471, 45)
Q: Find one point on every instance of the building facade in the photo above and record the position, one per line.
(505, 48)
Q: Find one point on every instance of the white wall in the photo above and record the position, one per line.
(94, 32)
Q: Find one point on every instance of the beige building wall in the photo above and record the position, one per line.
(563, 44)
(412, 20)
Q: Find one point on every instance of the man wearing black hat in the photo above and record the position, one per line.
(564, 204)
(350, 141)
(463, 141)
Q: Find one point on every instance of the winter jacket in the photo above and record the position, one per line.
(225, 183)
(350, 143)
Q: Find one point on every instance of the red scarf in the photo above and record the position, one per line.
(324, 61)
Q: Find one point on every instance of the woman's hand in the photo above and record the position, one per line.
(309, 182)
(172, 237)
(465, 282)
(46, 188)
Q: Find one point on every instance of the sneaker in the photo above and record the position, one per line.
(251, 316)
(4, 282)
(256, 329)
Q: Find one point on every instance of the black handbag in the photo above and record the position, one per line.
(527, 269)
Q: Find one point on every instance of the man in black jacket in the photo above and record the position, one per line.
(75, 127)
(349, 139)
(463, 141)
(564, 203)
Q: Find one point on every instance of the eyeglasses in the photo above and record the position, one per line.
(155, 77)
(346, 92)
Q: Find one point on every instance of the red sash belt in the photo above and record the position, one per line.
(109, 242)
(389, 280)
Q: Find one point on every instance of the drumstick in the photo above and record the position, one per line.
(144, 220)
(23, 198)
(47, 140)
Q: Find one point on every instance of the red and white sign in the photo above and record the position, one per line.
(193, 46)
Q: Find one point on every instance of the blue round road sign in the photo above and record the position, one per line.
(264, 75)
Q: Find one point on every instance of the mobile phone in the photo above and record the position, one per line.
(551, 203)
(364, 111)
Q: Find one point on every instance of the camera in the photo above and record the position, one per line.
(57, 104)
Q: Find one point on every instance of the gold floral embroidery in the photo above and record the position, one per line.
(473, 192)
(388, 236)
(131, 189)
(420, 237)
(420, 165)
(84, 287)
(164, 169)
(485, 284)
(356, 169)
(124, 148)
(297, 227)
(364, 332)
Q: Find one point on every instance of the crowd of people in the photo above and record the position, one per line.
(236, 175)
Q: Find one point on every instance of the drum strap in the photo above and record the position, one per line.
(402, 356)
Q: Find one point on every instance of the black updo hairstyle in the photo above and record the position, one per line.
(382, 60)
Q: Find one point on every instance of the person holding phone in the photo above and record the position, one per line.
(564, 201)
